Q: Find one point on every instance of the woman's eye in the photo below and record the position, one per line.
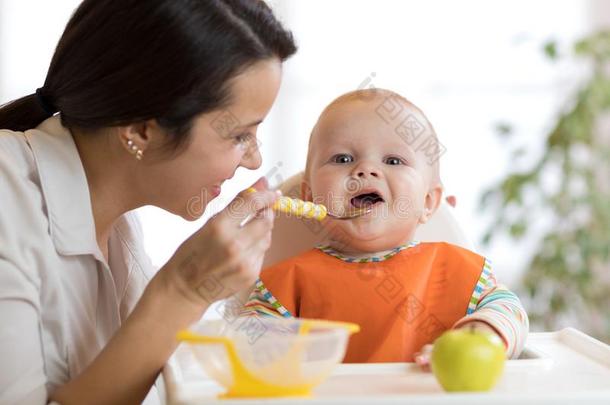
(242, 138)
(393, 161)
(342, 158)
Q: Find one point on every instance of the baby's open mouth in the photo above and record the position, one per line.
(366, 200)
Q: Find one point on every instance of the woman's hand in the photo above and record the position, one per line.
(223, 257)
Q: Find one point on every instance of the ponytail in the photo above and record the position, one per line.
(26, 112)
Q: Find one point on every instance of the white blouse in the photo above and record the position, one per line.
(60, 302)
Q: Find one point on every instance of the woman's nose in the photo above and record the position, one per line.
(252, 158)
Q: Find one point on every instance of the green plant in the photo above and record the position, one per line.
(568, 278)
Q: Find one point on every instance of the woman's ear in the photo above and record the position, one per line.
(431, 204)
(306, 191)
(139, 136)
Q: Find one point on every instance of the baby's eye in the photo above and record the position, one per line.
(342, 158)
(394, 161)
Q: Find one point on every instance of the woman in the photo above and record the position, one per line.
(159, 101)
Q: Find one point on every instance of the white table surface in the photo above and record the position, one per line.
(562, 367)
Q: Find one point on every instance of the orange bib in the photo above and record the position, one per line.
(400, 303)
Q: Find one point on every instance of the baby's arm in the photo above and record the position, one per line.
(496, 306)
(261, 303)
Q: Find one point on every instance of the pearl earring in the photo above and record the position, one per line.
(134, 150)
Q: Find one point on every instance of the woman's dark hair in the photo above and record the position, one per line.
(124, 61)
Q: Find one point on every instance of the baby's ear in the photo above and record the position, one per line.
(306, 191)
(432, 202)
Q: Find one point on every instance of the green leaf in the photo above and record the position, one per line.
(518, 229)
(503, 129)
(550, 50)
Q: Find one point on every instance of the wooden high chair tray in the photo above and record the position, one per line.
(562, 367)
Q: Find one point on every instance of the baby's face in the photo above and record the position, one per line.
(357, 160)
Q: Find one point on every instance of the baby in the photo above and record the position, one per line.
(374, 149)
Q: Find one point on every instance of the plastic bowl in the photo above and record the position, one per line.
(268, 357)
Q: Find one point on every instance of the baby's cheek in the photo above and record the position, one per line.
(325, 193)
(410, 201)
(335, 202)
(406, 208)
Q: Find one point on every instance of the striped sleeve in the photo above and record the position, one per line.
(262, 303)
(496, 305)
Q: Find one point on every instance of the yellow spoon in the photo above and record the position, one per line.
(307, 209)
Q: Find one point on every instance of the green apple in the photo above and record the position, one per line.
(467, 360)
